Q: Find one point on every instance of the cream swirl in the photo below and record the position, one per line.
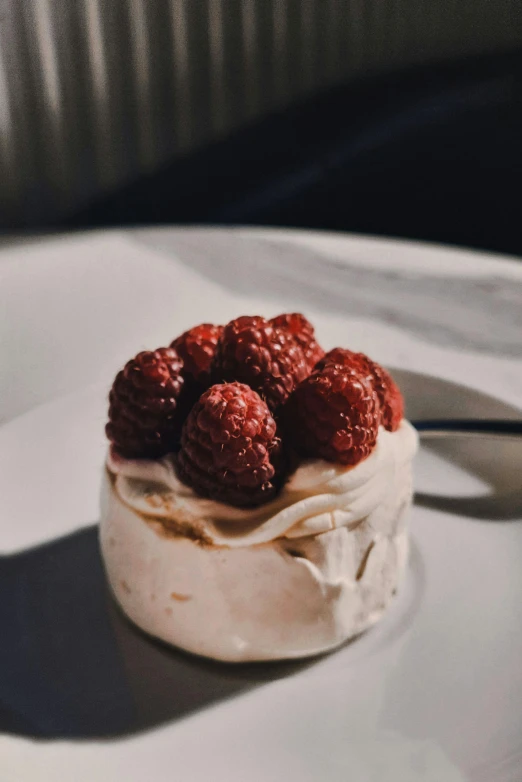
(318, 497)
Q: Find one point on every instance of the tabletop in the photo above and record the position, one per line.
(464, 302)
(74, 307)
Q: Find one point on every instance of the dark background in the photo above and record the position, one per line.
(431, 153)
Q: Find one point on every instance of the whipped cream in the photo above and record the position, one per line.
(295, 577)
(318, 497)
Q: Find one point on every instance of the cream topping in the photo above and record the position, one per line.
(318, 497)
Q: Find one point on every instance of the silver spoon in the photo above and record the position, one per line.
(469, 427)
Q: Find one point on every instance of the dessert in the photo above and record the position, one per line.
(256, 491)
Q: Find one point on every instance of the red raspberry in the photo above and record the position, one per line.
(334, 415)
(304, 334)
(144, 411)
(197, 347)
(390, 397)
(228, 447)
(265, 357)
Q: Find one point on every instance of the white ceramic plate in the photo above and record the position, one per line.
(433, 693)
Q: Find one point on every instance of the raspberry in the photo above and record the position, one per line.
(334, 415)
(197, 347)
(390, 397)
(229, 445)
(144, 410)
(265, 357)
(304, 334)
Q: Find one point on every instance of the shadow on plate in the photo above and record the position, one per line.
(497, 464)
(71, 666)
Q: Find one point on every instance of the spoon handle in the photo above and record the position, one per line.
(469, 427)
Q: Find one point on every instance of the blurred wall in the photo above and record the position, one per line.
(95, 92)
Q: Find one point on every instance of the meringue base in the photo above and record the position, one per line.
(284, 599)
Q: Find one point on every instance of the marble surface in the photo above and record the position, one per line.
(127, 290)
(453, 303)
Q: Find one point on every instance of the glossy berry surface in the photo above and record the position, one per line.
(145, 417)
(229, 446)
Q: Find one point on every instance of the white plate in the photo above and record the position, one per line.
(433, 693)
